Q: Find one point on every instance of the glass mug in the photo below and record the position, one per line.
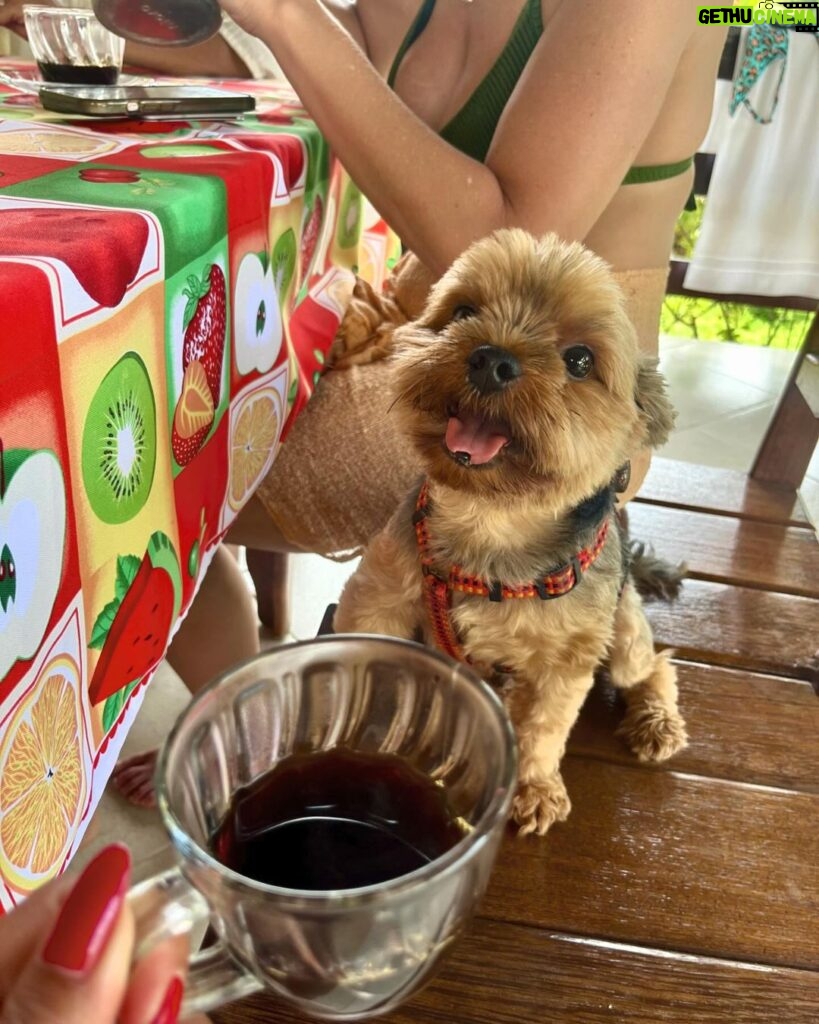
(344, 954)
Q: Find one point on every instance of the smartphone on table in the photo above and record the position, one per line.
(146, 101)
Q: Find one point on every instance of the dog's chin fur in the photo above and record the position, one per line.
(534, 505)
(535, 299)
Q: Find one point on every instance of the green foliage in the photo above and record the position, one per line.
(705, 319)
(686, 317)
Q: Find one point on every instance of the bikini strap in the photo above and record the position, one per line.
(415, 30)
(657, 172)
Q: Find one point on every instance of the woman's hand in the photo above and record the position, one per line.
(65, 955)
(11, 16)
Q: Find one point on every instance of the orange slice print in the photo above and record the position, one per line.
(254, 438)
(42, 778)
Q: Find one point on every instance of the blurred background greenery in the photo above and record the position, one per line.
(707, 320)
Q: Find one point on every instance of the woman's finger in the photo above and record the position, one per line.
(155, 988)
(22, 930)
(80, 972)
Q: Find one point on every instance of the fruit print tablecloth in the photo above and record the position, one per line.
(168, 292)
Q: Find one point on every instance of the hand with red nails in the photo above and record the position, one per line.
(65, 955)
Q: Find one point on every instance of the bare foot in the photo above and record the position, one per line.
(133, 778)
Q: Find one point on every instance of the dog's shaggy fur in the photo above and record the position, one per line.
(534, 504)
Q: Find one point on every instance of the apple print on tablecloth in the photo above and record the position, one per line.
(203, 351)
(132, 631)
(109, 175)
(32, 542)
(257, 335)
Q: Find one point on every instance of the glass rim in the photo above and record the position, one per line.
(53, 12)
(497, 808)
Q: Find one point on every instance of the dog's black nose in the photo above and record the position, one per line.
(492, 368)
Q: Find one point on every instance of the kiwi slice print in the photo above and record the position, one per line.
(283, 262)
(119, 442)
(349, 220)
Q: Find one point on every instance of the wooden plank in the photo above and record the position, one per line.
(671, 861)
(723, 549)
(741, 726)
(754, 629)
(506, 974)
(724, 491)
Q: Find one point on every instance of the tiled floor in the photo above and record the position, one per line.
(724, 394)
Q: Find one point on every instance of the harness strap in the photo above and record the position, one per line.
(438, 589)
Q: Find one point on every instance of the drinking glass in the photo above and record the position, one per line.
(70, 45)
(344, 954)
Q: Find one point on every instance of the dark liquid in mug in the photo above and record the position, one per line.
(335, 820)
(79, 74)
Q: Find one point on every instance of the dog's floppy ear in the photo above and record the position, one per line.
(657, 414)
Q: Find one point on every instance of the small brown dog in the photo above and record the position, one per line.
(521, 387)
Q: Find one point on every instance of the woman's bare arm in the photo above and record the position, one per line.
(586, 102)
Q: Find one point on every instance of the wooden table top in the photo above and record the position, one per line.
(689, 891)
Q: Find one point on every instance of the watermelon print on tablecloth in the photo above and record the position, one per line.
(38, 550)
(133, 629)
(176, 200)
(103, 249)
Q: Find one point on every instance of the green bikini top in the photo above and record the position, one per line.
(472, 128)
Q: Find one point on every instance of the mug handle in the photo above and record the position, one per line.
(166, 906)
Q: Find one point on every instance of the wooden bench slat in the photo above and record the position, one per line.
(754, 629)
(741, 726)
(739, 551)
(506, 974)
(671, 861)
(724, 491)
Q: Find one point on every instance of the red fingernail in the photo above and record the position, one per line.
(89, 913)
(171, 1004)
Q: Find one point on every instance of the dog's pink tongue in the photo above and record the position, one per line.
(474, 435)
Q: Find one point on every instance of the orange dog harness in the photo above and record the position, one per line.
(438, 589)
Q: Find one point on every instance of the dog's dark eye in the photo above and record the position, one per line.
(463, 312)
(579, 360)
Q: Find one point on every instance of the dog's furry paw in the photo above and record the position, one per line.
(653, 731)
(538, 805)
